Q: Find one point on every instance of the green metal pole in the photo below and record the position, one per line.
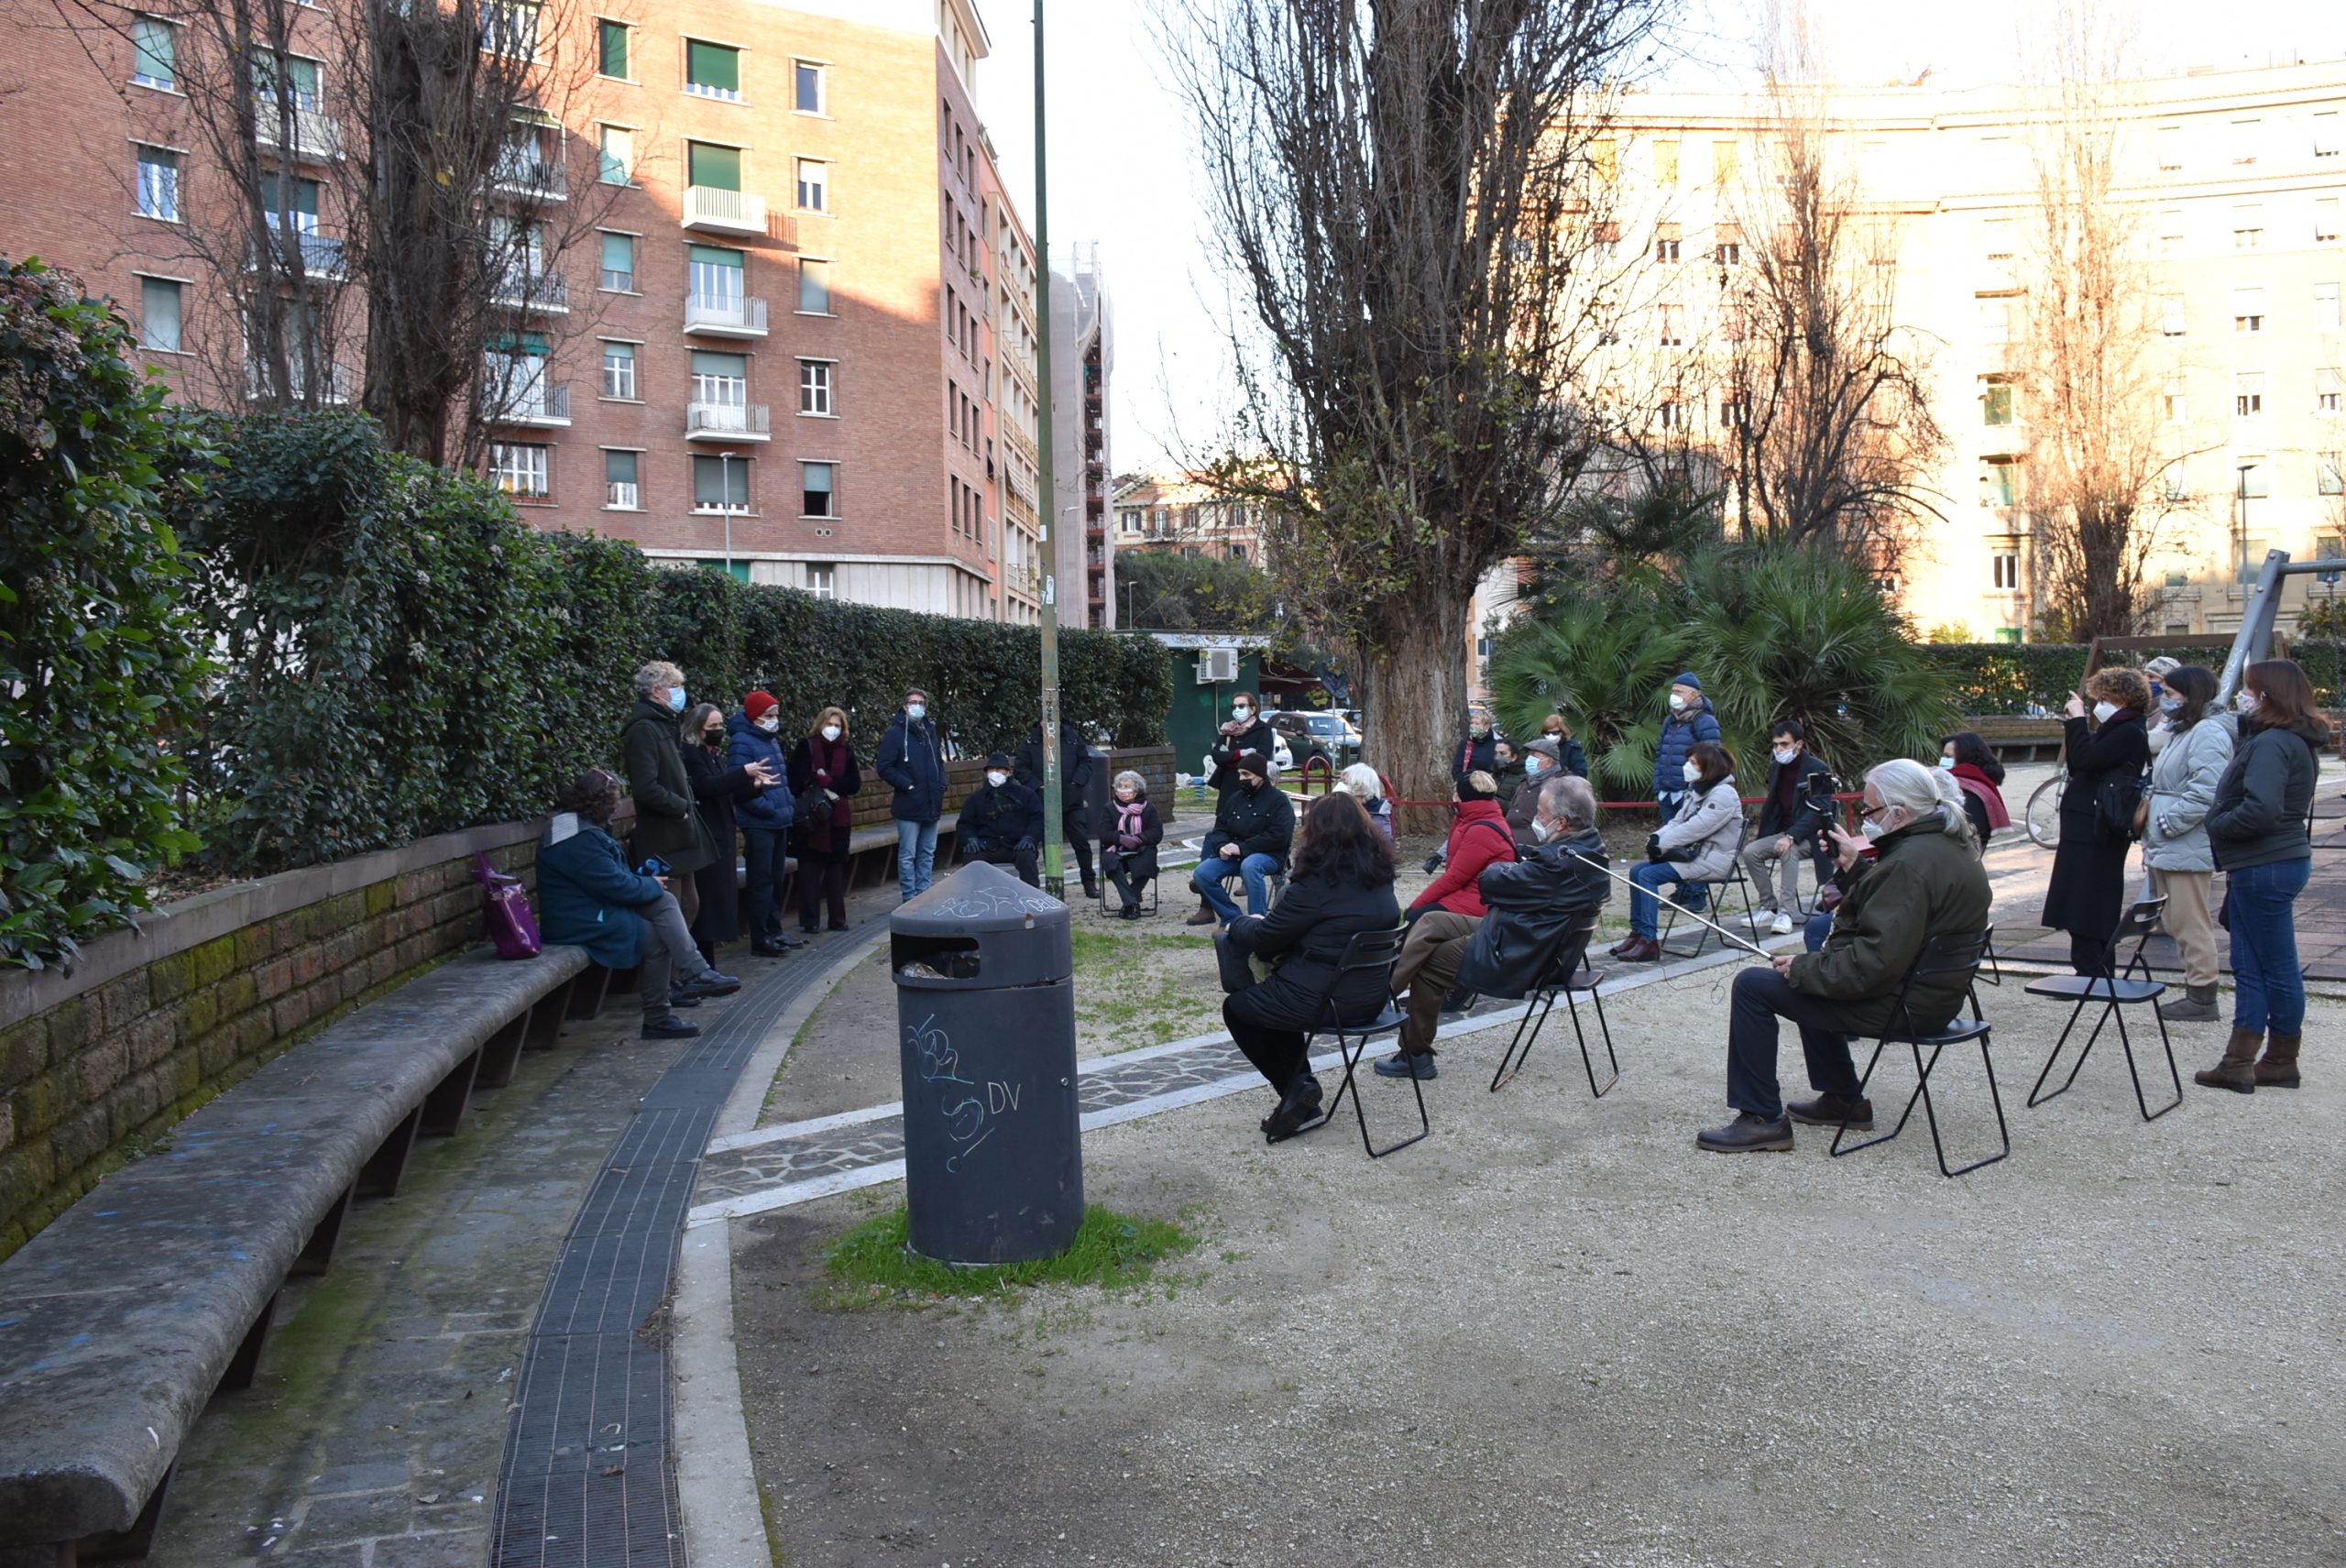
(1054, 835)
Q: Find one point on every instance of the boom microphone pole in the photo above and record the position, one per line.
(1744, 942)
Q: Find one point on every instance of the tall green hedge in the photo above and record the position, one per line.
(400, 656)
(2011, 677)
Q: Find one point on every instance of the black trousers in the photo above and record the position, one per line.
(822, 878)
(1127, 886)
(1006, 855)
(2088, 955)
(1071, 825)
(1761, 997)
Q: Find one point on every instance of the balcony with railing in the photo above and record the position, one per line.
(534, 403)
(727, 422)
(526, 173)
(322, 255)
(725, 315)
(725, 211)
(526, 289)
(317, 135)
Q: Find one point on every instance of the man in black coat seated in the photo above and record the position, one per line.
(1793, 817)
(1002, 822)
(1531, 900)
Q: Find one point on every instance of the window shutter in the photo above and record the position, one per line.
(715, 256)
(712, 65)
(713, 167)
(613, 38)
(734, 367)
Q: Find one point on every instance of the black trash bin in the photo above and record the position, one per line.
(985, 1015)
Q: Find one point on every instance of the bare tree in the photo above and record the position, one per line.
(2093, 372)
(1832, 437)
(1405, 190)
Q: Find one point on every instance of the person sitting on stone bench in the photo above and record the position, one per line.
(1002, 822)
(591, 898)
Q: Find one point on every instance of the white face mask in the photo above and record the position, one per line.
(1872, 830)
(1691, 773)
(1543, 831)
(769, 724)
(1242, 711)
(997, 780)
(2246, 701)
(1677, 703)
(2102, 711)
(1948, 762)
(1126, 796)
(915, 710)
(830, 731)
(1787, 754)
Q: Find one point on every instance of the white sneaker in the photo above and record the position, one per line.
(1762, 918)
(1782, 927)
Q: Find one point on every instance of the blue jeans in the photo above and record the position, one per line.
(1215, 871)
(1645, 915)
(765, 855)
(1820, 925)
(915, 857)
(2269, 986)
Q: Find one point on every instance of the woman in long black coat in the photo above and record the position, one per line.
(2088, 884)
(824, 758)
(715, 788)
(1342, 885)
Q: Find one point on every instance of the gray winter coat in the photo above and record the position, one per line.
(2183, 776)
(1712, 821)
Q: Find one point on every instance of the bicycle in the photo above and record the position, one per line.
(2044, 814)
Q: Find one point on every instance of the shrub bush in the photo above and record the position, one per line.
(2011, 677)
(94, 646)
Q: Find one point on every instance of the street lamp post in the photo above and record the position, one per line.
(1054, 826)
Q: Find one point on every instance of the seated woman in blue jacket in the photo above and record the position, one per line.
(589, 897)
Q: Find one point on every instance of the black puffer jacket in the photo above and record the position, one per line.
(1311, 924)
(999, 816)
(1260, 822)
(1530, 902)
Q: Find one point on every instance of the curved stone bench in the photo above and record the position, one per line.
(120, 1321)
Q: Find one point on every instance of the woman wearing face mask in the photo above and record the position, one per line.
(2183, 776)
(1569, 755)
(1697, 845)
(753, 736)
(1479, 753)
(2257, 826)
(1966, 757)
(668, 826)
(2103, 744)
(824, 762)
(718, 787)
(1130, 831)
(1243, 731)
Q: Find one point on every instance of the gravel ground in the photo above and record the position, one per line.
(1556, 1332)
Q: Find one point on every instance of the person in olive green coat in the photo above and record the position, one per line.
(1925, 882)
(668, 823)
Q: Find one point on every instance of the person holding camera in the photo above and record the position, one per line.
(2106, 749)
(1697, 845)
(1794, 817)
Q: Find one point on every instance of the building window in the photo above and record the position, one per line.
(2170, 145)
(159, 315)
(621, 492)
(717, 281)
(1995, 321)
(611, 49)
(521, 469)
(2324, 134)
(1997, 233)
(2007, 569)
(815, 388)
(1671, 416)
(814, 287)
(712, 70)
(712, 166)
(158, 185)
(2174, 403)
(818, 489)
(2177, 487)
(2250, 564)
(2248, 309)
(2325, 305)
(1999, 482)
(510, 28)
(2328, 384)
(618, 370)
(154, 55)
(2247, 226)
(1735, 414)
(810, 87)
(291, 75)
(1674, 325)
(2325, 219)
(1665, 250)
(2254, 481)
(814, 185)
(822, 579)
(2329, 474)
(618, 263)
(617, 149)
(2248, 395)
(2247, 134)
(721, 381)
(720, 484)
(1729, 253)
(2171, 317)
(1996, 403)
(2170, 230)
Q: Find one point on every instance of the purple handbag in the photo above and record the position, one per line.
(506, 918)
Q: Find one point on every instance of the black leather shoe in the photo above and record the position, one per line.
(785, 943)
(1747, 1133)
(762, 948)
(1826, 1110)
(678, 997)
(1402, 1064)
(667, 1027)
(1298, 1108)
(1459, 1001)
(708, 982)
(837, 925)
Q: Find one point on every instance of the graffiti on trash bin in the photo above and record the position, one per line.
(986, 902)
(971, 1119)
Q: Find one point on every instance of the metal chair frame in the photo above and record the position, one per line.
(1148, 901)
(1377, 950)
(1563, 974)
(1950, 953)
(1735, 877)
(2117, 992)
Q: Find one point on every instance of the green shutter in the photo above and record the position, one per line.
(734, 366)
(151, 47)
(518, 343)
(613, 39)
(713, 66)
(713, 167)
(619, 253)
(618, 467)
(716, 255)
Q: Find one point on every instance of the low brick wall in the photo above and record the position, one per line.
(1154, 763)
(96, 1066)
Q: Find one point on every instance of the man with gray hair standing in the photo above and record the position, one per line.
(667, 821)
(1925, 882)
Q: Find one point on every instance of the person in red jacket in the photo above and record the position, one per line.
(1442, 921)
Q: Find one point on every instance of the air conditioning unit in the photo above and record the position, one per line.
(1217, 666)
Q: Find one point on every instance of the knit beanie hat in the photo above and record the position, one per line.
(996, 762)
(1253, 762)
(1687, 678)
(1478, 786)
(757, 704)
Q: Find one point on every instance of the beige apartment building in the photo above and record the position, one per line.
(797, 343)
(2237, 179)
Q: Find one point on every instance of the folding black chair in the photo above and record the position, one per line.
(1566, 972)
(1955, 953)
(2117, 994)
(1377, 951)
(1715, 893)
(1147, 899)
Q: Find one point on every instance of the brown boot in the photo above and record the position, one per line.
(2238, 1070)
(2279, 1068)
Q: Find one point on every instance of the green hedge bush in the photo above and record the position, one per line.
(2011, 677)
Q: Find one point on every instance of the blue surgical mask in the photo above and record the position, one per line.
(676, 700)
(2170, 705)
(915, 710)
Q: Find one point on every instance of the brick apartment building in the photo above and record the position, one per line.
(793, 333)
(1179, 513)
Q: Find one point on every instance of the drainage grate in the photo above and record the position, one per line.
(586, 1481)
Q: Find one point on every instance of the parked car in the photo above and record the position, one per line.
(1318, 734)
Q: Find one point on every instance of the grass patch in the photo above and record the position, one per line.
(1093, 948)
(870, 1264)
